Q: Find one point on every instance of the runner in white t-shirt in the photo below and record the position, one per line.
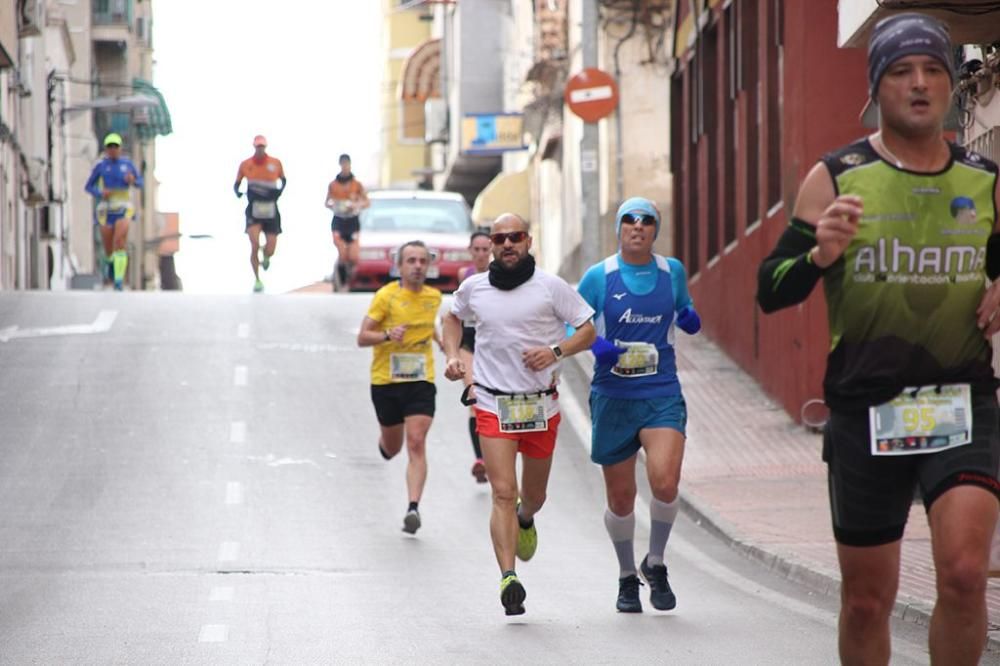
(520, 313)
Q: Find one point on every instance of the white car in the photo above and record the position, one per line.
(442, 220)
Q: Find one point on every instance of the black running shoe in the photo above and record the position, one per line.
(512, 595)
(628, 594)
(660, 594)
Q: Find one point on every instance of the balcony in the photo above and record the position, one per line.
(858, 17)
(111, 20)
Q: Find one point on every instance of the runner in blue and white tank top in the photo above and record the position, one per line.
(635, 402)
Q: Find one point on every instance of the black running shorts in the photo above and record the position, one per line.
(394, 402)
(271, 226)
(346, 227)
(870, 496)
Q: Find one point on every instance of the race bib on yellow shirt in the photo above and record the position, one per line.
(407, 367)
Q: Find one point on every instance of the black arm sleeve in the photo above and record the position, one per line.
(993, 256)
(787, 275)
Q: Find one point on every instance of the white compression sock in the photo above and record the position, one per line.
(661, 521)
(621, 529)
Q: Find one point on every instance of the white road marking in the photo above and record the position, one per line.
(234, 493)
(274, 461)
(243, 330)
(213, 633)
(229, 551)
(240, 375)
(102, 324)
(577, 418)
(221, 594)
(238, 432)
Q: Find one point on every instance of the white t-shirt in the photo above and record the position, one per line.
(533, 314)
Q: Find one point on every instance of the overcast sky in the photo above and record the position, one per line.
(307, 75)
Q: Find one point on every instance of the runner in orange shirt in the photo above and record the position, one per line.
(346, 197)
(262, 173)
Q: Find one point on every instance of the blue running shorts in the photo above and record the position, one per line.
(617, 422)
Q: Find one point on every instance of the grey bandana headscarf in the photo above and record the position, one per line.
(906, 34)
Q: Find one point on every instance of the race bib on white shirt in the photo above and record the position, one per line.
(521, 413)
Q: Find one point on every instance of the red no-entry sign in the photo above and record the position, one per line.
(592, 94)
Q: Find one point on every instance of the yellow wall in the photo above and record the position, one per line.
(402, 32)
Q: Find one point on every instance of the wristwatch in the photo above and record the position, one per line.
(387, 336)
(557, 351)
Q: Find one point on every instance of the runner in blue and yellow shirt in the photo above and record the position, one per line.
(110, 184)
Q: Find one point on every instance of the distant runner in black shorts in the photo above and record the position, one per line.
(346, 197)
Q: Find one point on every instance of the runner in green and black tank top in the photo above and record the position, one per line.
(902, 228)
(899, 302)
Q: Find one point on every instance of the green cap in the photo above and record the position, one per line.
(113, 139)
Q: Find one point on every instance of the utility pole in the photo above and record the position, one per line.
(589, 176)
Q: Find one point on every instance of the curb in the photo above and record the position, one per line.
(785, 566)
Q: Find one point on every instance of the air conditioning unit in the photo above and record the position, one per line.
(435, 120)
(30, 18)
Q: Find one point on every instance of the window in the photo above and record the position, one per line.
(750, 85)
(774, 86)
(677, 164)
(729, 151)
(413, 121)
(693, 219)
(416, 215)
(710, 76)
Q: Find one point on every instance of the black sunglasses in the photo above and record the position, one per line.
(514, 236)
(645, 219)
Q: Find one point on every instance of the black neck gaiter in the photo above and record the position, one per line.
(507, 279)
(341, 178)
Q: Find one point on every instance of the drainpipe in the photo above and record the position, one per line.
(619, 150)
(590, 182)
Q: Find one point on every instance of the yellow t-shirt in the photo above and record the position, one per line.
(413, 359)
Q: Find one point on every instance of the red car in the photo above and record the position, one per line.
(439, 219)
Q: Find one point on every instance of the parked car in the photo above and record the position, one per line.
(442, 220)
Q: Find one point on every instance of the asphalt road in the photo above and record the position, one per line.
(194, 479)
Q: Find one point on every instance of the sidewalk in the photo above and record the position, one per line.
(756, 479)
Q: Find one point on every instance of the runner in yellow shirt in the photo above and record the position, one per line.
(400, 327)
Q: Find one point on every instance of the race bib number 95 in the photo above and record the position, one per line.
(922, 420)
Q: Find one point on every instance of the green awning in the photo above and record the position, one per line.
(157, 118)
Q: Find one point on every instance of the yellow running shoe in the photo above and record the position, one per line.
(527, 539)
(512, 594)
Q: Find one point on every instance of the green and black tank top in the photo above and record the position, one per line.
(902, 300)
